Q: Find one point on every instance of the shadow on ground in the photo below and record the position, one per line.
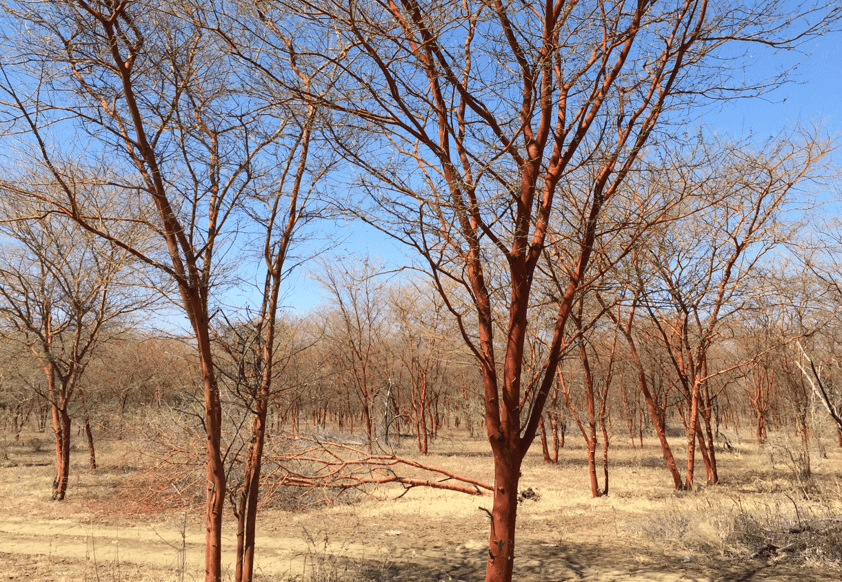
(549, 563)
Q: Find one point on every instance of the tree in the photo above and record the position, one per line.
(142, 101)
(484, 128)
(596, 378)
(418, 328)
(284, 212)
(61, 289)
(357, 332)
(700, 271)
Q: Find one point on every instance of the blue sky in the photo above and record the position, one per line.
(811, 97)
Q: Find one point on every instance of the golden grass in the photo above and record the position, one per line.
(643, 528)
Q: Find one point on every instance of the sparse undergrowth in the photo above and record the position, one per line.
(759, 514)
(789, 525)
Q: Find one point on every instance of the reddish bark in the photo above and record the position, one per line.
(589, 432)
(654, 410)
(61, 426)
(88, 432)
(545, 450)
(559, 100)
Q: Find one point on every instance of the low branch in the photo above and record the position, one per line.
(330, 465)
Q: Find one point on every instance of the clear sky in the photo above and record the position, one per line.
(814, 96)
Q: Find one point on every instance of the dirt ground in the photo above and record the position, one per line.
(642, 531)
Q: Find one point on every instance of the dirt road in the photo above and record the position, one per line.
(78, 551)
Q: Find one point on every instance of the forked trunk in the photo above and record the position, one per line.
(419, 409)
(692, 431)
(713, 473)
(657, 419)
(247, 510)
(422, 435)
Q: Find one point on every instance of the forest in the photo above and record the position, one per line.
(587, 269)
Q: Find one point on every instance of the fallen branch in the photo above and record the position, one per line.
(312, 463)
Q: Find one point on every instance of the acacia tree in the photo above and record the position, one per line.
(60, 289)
(821, 280)
(701, 268)
(418, 328)
(169, 123)
(281, 213)
(596, 377)
(484, 127)
(356, 331)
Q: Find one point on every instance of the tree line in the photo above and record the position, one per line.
(580, 237)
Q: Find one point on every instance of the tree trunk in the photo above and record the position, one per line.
(559, 430)
(605, 442)
(707, 411)
(369, 430)
(61, 425)
(503, 515)
(591, 436)
(545, 449)
(761, 429)
(214, 469)
(657, 419)
(592, 466)
(692, 430)
(88, 432)
(419, 410)
(91, 451)
(804, 430)
(706, 452)
(247, 510)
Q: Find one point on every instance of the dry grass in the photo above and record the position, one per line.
(762, 517)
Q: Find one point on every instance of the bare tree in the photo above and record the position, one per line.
(596, 376)
(492, 114)
(356, 331)
(419, 328)
(60, 290)
(701, 268)
(169, 122)
(282, 214)
(485, 127)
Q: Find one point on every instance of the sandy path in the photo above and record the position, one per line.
(160, 546)
(157, 545)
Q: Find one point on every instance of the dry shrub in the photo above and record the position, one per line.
(168, 472)
(323, 563)
(785, 454)
(791, 529)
